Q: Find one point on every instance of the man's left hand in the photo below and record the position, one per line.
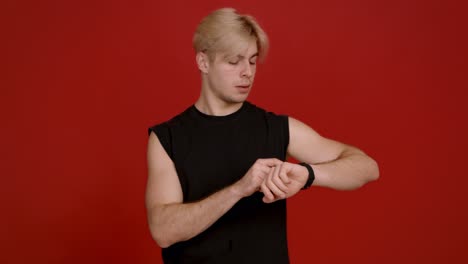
(283, 181)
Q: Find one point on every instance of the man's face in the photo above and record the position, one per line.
(230, 77)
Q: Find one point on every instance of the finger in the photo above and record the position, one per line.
(265, 169)
(268, 195)
(266, 200)
(272, 186)
(260, 166)
(270, 162)
(285, 169)
(278, 181)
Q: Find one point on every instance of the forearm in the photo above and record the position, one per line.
(349, 171)
(172, 223)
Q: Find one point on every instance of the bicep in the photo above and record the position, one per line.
(306, 145)
(163, 185)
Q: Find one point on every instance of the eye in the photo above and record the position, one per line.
(233, 62)
(253, 60)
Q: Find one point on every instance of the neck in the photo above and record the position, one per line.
(216, 107)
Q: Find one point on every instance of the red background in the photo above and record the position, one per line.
(84, 79)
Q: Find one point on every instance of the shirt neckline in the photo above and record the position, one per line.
(213, 118)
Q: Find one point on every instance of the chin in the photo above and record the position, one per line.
(237, 100)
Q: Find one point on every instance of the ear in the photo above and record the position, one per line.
(202, 62)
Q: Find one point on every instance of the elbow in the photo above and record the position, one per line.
(374, 171)
(163, 244)
(371, 173)
(160, 237)
(158, 230)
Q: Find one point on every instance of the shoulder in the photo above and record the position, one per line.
(269, 115)
(165, 132)
(172, 123)
(277, 124)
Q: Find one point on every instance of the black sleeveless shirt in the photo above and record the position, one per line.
(213, 152)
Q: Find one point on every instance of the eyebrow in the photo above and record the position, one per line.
(241, 57)
(255, 55)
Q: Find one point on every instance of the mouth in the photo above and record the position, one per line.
(244, 89)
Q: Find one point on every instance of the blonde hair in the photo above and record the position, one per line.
(220, 32)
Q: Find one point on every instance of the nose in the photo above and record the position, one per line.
(247, 70)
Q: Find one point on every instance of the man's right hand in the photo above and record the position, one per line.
(255, 176)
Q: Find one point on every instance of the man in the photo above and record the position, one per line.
(217, 175)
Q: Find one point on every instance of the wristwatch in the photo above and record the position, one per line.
(311, 178)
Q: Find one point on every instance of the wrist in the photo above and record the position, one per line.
(236, 191)
(310, 175)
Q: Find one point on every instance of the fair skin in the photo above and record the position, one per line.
(226, 83)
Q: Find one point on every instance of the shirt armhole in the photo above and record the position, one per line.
(285, 126)
(164, 136)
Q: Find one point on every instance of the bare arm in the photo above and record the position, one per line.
(336, 165)
(170, 220)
